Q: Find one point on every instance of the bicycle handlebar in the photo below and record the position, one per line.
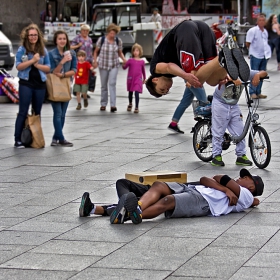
(261, 79)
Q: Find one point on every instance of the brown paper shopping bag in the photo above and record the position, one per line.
(34, 122)
(58, 88)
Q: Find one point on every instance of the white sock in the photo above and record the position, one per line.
(93, 210)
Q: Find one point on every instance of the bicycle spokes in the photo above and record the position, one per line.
(202, 140)
(260, 147)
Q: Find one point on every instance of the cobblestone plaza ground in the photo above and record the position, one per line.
(42, 236)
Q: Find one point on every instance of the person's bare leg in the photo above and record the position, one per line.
(219, 75)
(87, 207)
(99, 210)
(211, 73)
(164, 204)
(78, 95)
(154, 194)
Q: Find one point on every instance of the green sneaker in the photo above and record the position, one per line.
(243, 160)
(217, 161)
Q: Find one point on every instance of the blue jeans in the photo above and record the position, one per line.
(59, 112)
(257, 64)
(187, 99)
(27, 96)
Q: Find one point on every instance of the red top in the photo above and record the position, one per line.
(81, 76)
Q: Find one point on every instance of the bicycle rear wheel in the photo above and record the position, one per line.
(202, 140)
(260, 147)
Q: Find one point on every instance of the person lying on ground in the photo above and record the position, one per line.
(189, 51)
(215, 196)
(123, 186)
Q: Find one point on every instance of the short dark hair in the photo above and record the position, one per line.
(151, 87)
(262, 15)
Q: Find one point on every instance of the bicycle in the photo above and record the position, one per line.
(229, 38)
(259, 142)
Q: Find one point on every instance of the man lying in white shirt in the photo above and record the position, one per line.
(215, 196)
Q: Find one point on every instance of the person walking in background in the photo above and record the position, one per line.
(108, 49)
(81, 78)
(82, 42)
(136, 76)
(155, 17)
(259, 51)
(32, 63)
(63, 65)
(273, 29)
(189, 94)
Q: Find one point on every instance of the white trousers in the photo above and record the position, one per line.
(108, 79)
(224, 117)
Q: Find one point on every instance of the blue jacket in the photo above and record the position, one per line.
(24, 74)
(56, 57)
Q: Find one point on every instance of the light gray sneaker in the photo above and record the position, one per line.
(54, 143)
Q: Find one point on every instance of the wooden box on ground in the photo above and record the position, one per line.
(149, 177)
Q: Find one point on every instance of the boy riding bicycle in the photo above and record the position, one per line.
(226, 114)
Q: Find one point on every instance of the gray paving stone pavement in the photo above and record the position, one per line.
(42, 236)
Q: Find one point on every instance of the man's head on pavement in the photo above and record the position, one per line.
(253, 183)
(159, 86)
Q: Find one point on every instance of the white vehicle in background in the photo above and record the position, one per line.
(69, 17)
(7, 57)
(75, 13)
(125, 15)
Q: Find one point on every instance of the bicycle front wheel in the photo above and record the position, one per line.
(202, 140)
(260, 147)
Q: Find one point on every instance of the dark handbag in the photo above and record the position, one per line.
(26, 136)
(91, 82)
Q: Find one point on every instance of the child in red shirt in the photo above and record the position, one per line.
(81, 78)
